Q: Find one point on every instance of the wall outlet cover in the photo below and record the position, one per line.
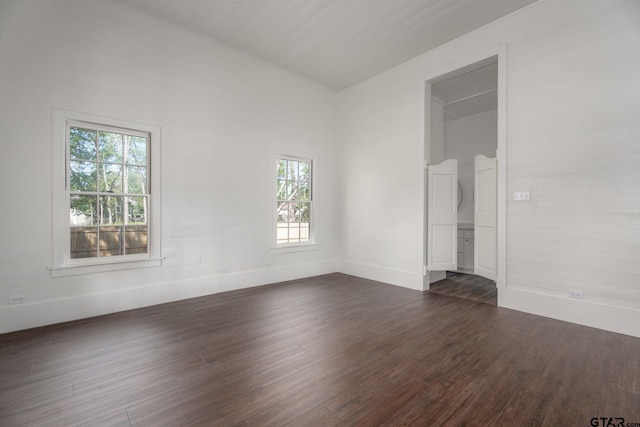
(17, 299)
(576, 294)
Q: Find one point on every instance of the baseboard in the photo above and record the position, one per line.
(582, 312)
(41, 313)
(403, 278)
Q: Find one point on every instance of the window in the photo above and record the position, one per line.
(109, 191)
(294, 201)
(105, 194)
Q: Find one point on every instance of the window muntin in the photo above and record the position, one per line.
(108, 191)
(294, 200)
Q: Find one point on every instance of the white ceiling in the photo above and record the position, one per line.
(336, 42)
(467, 92)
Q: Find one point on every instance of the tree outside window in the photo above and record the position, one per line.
(293, 200)
(108, 192)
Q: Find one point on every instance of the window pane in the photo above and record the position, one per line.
(110, 147)
(303, 212)
(283, 211)
(304, 232)
(136, 180)
(305, 171)
(135, 239)
(82, 143)
(282, 233)
(82, 176)
(110, 178)
(136, 210)
(292, 172)
(83, 210)
(303, 192)
(282, 190)
(111, 241)
(136, 150)
(292, 191)
(294, 233)
(84, 242)
(295, 212)
(111, 210)
(282, 169)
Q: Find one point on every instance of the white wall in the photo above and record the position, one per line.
(464, 139)
(221, 114)
(435, 145)
(379, 143)
(573, 125)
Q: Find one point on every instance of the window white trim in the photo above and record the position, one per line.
(311, 244)
(62, 264)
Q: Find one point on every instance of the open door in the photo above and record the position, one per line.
(486, 186)
(442, 216)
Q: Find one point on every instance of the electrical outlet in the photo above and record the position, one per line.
(224, 270)
(520, 196)
(576, 294)
(17, 299)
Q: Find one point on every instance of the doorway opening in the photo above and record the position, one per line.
(467, 286)
(463, 133)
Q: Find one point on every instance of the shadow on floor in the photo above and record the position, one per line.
(467, 286)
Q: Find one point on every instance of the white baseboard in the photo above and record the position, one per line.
(41, 313)
(406, 279)
(582, 312)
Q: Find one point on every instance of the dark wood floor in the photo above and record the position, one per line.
(329, 350)
(467, 286)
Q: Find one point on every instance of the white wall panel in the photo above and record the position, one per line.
(221, 114)
(572, 132)
(572, 140)
(578, 154)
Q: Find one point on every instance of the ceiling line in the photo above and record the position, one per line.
(471, 96)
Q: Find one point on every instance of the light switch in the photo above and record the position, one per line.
(521, 195)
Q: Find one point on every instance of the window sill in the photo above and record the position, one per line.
(295, 248)
(74, 270)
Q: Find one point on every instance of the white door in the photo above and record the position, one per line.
(486, 186)
(442, 216)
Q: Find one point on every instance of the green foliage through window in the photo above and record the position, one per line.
(293, 200)
(109, 192)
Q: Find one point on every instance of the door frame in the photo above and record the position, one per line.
(501, 155)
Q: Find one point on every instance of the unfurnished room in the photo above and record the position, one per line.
(320, 213)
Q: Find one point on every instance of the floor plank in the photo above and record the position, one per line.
(327, 350)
